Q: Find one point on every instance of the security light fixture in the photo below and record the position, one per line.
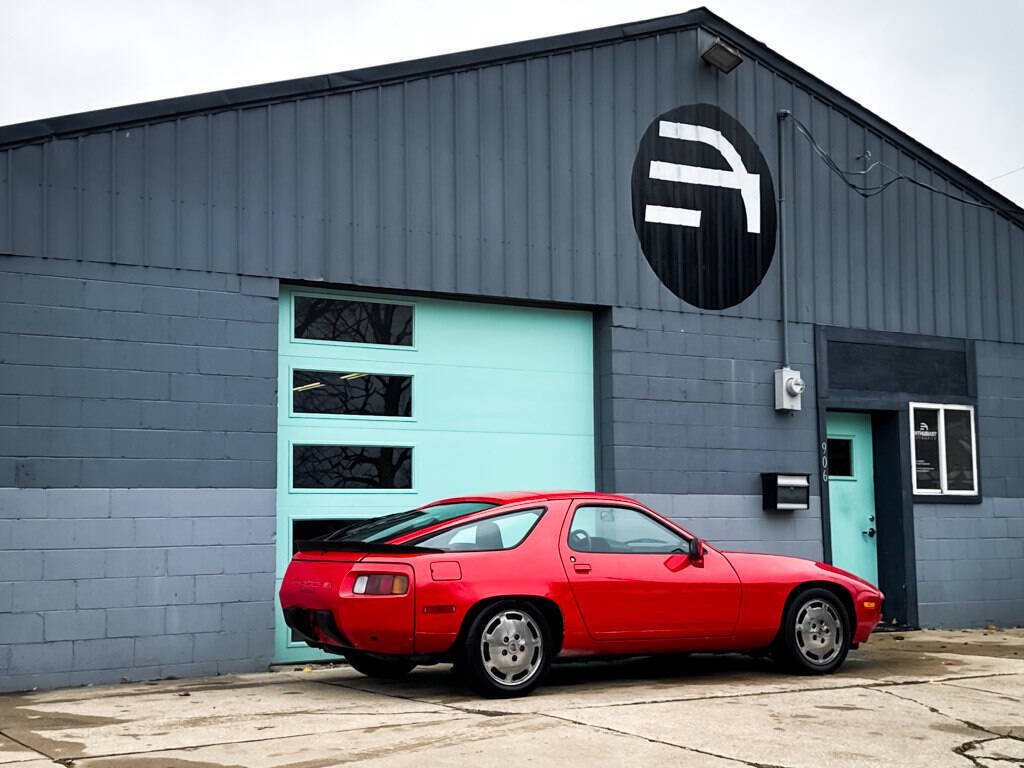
(722, 57)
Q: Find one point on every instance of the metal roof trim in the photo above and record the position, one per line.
(112, 118)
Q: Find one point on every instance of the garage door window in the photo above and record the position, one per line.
(351, 393)
(943, 450)
(353, 322)
(351, 467)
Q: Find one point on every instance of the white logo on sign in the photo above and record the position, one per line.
(749, 184)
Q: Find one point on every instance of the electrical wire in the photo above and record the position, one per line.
(1004, 175)
(881, 186)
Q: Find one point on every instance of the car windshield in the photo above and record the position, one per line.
(400, 523)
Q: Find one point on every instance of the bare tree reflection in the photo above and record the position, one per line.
(352, 466)
(362, 322)
(352, 393)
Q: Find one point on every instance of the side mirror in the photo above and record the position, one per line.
(696, 551)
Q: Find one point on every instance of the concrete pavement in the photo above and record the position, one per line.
(915, 699)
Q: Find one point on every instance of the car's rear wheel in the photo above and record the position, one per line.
(378, 666)
(815, 633)
(507, 650)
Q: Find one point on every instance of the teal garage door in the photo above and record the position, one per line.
(386, 403)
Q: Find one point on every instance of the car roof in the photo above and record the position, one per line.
(514, 497)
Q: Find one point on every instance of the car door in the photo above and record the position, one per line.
(633, 580)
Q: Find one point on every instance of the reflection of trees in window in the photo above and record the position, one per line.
(340, 392)
(959, 451)
(351, 466)
(363, 322)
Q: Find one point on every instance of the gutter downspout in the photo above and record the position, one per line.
(782, 115)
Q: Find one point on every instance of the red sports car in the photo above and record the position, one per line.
(501, 584)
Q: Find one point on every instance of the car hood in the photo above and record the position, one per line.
(757, 566)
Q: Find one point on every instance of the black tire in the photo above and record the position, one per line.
(378, 666)
(525, 650)
(815, 634)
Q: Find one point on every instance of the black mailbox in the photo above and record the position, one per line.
(785, 492)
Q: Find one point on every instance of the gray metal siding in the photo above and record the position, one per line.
(510, 180)
(121, 376)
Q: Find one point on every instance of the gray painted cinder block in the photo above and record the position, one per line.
(133, 355)
(138, 621)
(134, 612)
(102, 654)
(687, 403)
(970, 566)
(734, 522)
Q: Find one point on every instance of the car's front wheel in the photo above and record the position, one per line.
(507, 650)
(378, 666)
(815, 633)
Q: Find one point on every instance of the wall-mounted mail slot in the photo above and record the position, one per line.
(783, 493)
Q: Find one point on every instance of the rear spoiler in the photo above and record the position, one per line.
(369, 547)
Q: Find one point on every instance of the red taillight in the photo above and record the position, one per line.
(381, 584)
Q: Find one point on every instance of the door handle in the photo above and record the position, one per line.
(581, 568)
(870, 532)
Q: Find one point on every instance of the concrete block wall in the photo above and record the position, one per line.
(688, 423)
(970, 557)
(737, 522)
(137, 472)
(970, 563)
(120, 376)
(687, 403)
(1001, 418)
(98, 585)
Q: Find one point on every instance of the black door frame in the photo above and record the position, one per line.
(890, 419)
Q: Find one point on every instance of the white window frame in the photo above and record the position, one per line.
(943, 489)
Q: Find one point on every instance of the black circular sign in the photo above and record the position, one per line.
(704, 206)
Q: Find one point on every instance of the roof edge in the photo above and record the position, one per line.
(34, 131)
(37, 131)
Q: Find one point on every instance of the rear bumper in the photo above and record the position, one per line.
(316, 628)
(318, 603)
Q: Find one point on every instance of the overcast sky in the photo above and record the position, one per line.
(948, 72)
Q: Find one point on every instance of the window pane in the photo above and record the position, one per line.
(501, 532)
(926, 448)
(352, 394)
(351, 466)
(360, 322)
(615, 529)
(840, 457)
(959, 451)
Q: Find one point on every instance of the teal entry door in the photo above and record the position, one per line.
(851, 494)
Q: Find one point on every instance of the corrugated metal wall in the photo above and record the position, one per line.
(509, 180)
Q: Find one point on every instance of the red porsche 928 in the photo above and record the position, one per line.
(501, 584)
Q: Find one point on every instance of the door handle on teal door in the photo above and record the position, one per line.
(581, 568)
(870, 532)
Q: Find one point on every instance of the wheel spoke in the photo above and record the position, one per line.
(511, 647)
(819, 631)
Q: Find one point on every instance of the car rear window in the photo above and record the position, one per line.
(388, 527)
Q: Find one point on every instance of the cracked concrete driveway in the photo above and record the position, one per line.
(919, 699)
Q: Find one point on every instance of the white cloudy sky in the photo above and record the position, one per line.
(946, 71)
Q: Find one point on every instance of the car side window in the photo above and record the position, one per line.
(492, 533)
(622, 531)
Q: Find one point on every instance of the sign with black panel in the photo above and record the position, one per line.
(704, 206)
